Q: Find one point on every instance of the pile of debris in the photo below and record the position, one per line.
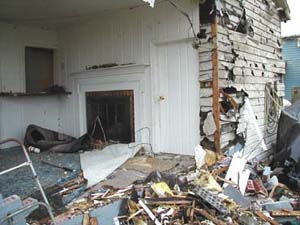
(217, 190)
(209, 188)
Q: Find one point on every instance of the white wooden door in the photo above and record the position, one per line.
(176, 92)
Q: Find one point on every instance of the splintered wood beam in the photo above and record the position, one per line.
(265, 218)
(215, 83)
(283, 213)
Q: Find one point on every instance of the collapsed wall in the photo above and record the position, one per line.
(249, 66)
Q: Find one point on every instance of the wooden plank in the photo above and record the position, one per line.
(206, 56)
(216, 94)
(205, 108)
(206, 101)
(206, 92)
(205, 47)
(243, 39)
(254, 50)
(272, 66)
(205, 77)
(265, 218)
(242, 79)
(206, 65)
(261, 36)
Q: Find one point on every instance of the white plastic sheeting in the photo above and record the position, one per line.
(253, 122)
(151, 2)
(97, 165)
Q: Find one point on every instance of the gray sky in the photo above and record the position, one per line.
(292, 27)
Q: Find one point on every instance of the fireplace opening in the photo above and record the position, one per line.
(115, 109)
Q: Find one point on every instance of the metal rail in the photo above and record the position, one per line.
(11, 215)
(28, 163)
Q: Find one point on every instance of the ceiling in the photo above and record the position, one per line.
(57, 12)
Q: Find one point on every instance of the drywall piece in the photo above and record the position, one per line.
(234, 194)
(280, 205)
(237, 172)
(97, 165)
(106, 214)
(200, 154)
(209, 126)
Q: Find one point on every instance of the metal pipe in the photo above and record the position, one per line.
(14, 168)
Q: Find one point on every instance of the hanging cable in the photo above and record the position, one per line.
(184, 14)
(273, 107)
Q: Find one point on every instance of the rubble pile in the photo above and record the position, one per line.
(217, 190)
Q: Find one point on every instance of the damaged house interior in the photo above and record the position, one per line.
(136, 112)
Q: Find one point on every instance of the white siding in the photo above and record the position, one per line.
(16, 114)
(124, 36)
(257, 61)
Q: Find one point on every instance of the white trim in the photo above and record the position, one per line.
(155, 110)
(134, 78)
(298, 42)
(116, 70)
(174, 40)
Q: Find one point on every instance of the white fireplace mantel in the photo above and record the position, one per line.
(129, 77)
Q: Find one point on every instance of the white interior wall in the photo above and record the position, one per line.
(17, 113)
(124, 36)
(134, 36)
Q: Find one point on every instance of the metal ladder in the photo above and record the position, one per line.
(27, 163)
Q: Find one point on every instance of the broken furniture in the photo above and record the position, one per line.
(18, 208)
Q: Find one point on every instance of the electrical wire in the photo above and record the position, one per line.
(184, 14)
(273, 107)
(143, 143)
